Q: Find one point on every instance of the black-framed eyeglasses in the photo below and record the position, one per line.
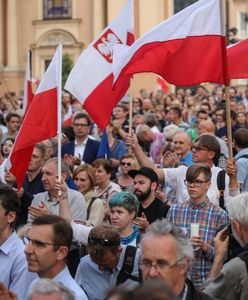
(36, 243)
(195, 183)
(125, 164)
(160, 265)
(197, 148)
(103, 242)
(80, 125)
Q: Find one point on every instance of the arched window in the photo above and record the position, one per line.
(181, 4)
(57, 9)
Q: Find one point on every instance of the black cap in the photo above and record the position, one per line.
(147, 172)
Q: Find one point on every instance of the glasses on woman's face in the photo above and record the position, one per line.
(197, 149)
(123, 163)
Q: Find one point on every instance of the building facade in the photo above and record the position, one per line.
(42, 24)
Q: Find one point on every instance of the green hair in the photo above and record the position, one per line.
(125, 199)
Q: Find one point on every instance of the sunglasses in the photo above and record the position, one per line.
(103, 242)
(125, 164)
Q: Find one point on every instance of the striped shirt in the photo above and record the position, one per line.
(211, 219)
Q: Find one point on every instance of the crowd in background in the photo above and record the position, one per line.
(166, 172)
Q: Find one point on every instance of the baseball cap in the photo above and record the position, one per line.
(147, 172)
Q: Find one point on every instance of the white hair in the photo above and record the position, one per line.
(162, 228)
(171, 130)
(47, 286)
(237, 208)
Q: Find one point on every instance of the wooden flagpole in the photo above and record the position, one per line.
(229, 122)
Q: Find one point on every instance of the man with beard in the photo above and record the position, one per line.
(151, 208)
(230, 282)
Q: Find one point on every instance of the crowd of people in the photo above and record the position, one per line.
(165, 216)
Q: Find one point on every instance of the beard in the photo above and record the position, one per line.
(237, 237)
(142, 195)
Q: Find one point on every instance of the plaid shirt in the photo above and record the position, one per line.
(211, 219)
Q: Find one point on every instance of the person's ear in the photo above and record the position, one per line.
(184, 266)
(62, 253)
(11, 217)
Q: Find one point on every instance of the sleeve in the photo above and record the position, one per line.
(227, 285)
(242, 170)
(80, 233)
(77, 204)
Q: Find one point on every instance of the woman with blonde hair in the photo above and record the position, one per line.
(85, 180)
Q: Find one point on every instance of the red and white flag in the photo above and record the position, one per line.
(186, 49)
(40, 121)
(237, 57)
(162, 84)
(91, 79)
(28, 94)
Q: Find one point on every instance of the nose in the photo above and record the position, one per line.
(153, 272)
(28, 249)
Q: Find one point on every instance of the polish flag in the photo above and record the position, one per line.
(28, 94)
(162, 84)
(237, 57)
(186, 49)
(91, 79)
(40, 121)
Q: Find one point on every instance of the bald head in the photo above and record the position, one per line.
(182, 143)
(206, 127)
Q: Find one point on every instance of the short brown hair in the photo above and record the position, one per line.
(106, 164)
(103, 233)
(194, 171)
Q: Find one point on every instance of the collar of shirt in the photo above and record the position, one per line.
(82, 144)
(9, 243)
(201, 205)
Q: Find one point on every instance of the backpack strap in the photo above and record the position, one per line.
(244, 256)
(127, 267)
(90, 205)
(221, 184)
(243, 156)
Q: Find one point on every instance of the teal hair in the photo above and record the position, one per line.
(125, 199)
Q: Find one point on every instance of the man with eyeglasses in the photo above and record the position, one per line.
(100, 270)
(205, 151)
(200, 212)
(84, 148)
(14, 269)
(166, 254)
(47, 246)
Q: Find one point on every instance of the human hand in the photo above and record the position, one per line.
(141, 222)
(61, 188)
(170, 159)
(221, 242)
(5, 294)
(198, 243)
(231, 167)
(131, 140)
(37, 211)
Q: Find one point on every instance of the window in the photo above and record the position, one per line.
(181, 4)
(244, 25)
(57, 9)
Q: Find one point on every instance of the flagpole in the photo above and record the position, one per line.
(130, 111)
(229, 122)
(59, 117)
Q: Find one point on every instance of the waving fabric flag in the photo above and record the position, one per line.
(91, 79)
(40, 121)
(28, 94)
(237, 56)
(186, 49)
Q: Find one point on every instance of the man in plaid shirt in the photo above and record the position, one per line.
(198, 209)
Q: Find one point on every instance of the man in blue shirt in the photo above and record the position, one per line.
(100, 271)
(241, 145)
(14, 274)
(47, 246)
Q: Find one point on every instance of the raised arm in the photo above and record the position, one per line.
(144, 161)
